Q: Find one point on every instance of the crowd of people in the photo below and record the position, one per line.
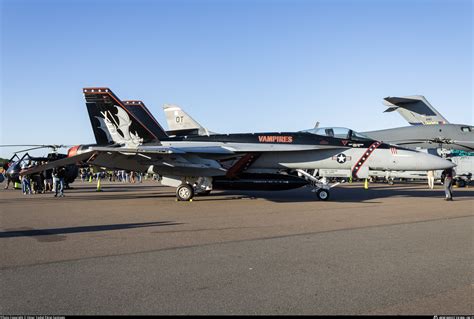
(123, 176)
(54, 180)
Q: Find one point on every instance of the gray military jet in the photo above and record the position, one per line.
(415, 109)
(199, 163)
(429, 128)
(446, 136)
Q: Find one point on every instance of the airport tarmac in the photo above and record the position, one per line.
(132, 249)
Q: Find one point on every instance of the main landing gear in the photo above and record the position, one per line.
(190, 187)
(185, 192)
(320, 186)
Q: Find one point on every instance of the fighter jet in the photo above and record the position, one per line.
(446, 136)
(195, 163)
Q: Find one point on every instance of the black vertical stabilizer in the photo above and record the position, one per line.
(112, 123)
(141, 112)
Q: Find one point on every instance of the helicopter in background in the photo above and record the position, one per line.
(17, 163)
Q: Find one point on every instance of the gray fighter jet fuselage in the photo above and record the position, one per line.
(447, 136)
(429, 128)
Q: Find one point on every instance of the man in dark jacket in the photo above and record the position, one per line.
(59, 173)
(48, 179)
(448, 183)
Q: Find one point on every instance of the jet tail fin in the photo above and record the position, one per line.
(179, 122)
(113, 123)
(415, 109)
(141, 112)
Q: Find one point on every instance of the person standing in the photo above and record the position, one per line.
(48, 180)
(127, 176)
(6, 165)
(431, 179)
(61, 176)
(58, 181)
(83, 174)
(25, 180)
(26, 183)
(448, 183)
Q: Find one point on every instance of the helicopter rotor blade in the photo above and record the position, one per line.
(30, 149)
(38, 145)
(18, 145)
(55, 147)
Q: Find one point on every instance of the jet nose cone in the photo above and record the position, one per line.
(432, 162)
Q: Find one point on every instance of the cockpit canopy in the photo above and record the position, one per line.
(338, 132)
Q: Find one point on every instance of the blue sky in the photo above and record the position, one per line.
(235, 66)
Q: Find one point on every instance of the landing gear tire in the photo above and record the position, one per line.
(323, 194)
(184, 192)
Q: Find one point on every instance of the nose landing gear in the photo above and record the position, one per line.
(320, 186)
(323, 194)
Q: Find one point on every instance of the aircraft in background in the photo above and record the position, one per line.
(429, 128)
(444, 136)
(415, 109)
(181, 123)
(16, 162)
(199, 163)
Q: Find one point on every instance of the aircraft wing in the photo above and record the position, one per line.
(163, 150)
(73, 160)
(185, 160)
(415, 109)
